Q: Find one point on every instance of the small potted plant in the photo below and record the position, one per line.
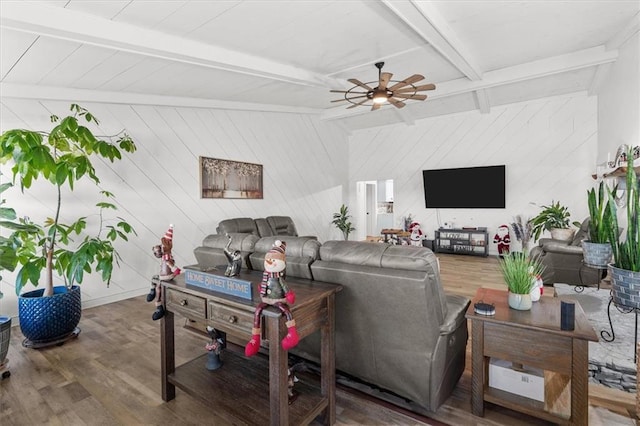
(625, 271)
(520, 273)
(62, 157)
(597, 249)
(555, 219)
(342, 222)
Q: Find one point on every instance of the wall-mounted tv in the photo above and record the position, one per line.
(465, 188)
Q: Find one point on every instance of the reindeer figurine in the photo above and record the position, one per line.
(234, 260)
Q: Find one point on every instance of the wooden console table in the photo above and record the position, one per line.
(252, 390)
(532, 338)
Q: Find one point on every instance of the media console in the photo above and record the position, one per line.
(471, 241)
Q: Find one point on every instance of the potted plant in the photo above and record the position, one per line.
(520, 273)
(625, 271)
(597, 249)
(342, 222)
(62, 157)
(553, 218)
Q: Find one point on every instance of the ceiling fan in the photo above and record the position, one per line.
(382, 93)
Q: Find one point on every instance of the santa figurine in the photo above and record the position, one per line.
(168, 271)
(416, 234)
(274, 292)
(503, 239)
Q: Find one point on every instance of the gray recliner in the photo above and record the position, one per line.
(395, 326)
(211, 253)
(282, 225)
(563, 259)
(300, 252)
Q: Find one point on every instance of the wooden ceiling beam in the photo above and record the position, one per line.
(581, 59)
(425, 20)
(65, 24)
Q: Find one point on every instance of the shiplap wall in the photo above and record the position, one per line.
(549, 148)
(305, 170)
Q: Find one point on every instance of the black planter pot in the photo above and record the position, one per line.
(49, 320)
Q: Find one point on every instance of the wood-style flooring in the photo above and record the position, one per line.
(110, 374)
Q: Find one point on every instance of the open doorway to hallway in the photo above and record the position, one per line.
(375, 207)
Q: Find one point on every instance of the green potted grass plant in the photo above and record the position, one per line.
(555, 219)
(625, 269)
(342, 222)
(61, 157)
(597, 249)
(520, 272)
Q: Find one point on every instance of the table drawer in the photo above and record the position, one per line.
(231, 320)
(188, 305)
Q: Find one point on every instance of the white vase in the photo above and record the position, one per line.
(562, 234)
(521, 302)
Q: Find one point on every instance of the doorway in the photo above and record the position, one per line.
(375, 204)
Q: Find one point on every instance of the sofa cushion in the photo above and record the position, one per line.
(300, 253)
(353, 252)
(238, 225)
(282, 225)
(264, 230)
(581, 234)
(211, 253)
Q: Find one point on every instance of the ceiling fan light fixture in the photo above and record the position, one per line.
(379, 97)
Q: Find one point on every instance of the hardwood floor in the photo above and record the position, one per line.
(109, 375)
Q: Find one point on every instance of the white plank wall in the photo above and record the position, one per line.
(549, 148)
(305, 171)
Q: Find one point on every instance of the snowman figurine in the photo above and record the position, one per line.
(416, 234)
(274, 292)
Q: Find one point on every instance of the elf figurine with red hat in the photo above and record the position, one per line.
(274, 292)
(168, 271)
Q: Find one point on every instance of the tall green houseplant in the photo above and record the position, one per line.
(626, 245)
(61, 156)
(342, 222)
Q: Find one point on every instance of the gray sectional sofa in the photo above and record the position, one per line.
(395, 326)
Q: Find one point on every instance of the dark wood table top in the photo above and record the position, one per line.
(544, 315)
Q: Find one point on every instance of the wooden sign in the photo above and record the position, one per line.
(220, 283)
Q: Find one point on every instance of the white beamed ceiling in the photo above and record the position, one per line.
(287, 55)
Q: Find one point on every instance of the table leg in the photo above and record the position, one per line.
(167, 355)
(278, 366)
(478, 368)
(579, 383)
(328, 362)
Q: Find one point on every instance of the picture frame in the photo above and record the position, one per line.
(221, 178)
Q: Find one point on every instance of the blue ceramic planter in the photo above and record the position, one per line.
(44, 319)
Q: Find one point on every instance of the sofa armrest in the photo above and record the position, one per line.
(456, 309)
(553, 247)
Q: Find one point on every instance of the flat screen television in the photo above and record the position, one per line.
(465, 188)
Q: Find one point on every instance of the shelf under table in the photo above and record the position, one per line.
(240, 389)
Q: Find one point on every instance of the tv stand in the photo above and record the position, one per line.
(473, 242)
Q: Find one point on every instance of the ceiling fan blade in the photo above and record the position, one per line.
(417, 88)
(384, 80)
(358, 104)
(359, 83)
(397, 103)
(414, 78)
(351, 98)
(375, 107)
(410, 96)
(347, 91)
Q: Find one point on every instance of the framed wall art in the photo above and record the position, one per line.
(230, 179)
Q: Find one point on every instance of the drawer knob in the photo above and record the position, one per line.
(184, 302)
(233, 319)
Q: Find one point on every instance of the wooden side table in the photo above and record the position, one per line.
(252, 390)
(532, 338)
